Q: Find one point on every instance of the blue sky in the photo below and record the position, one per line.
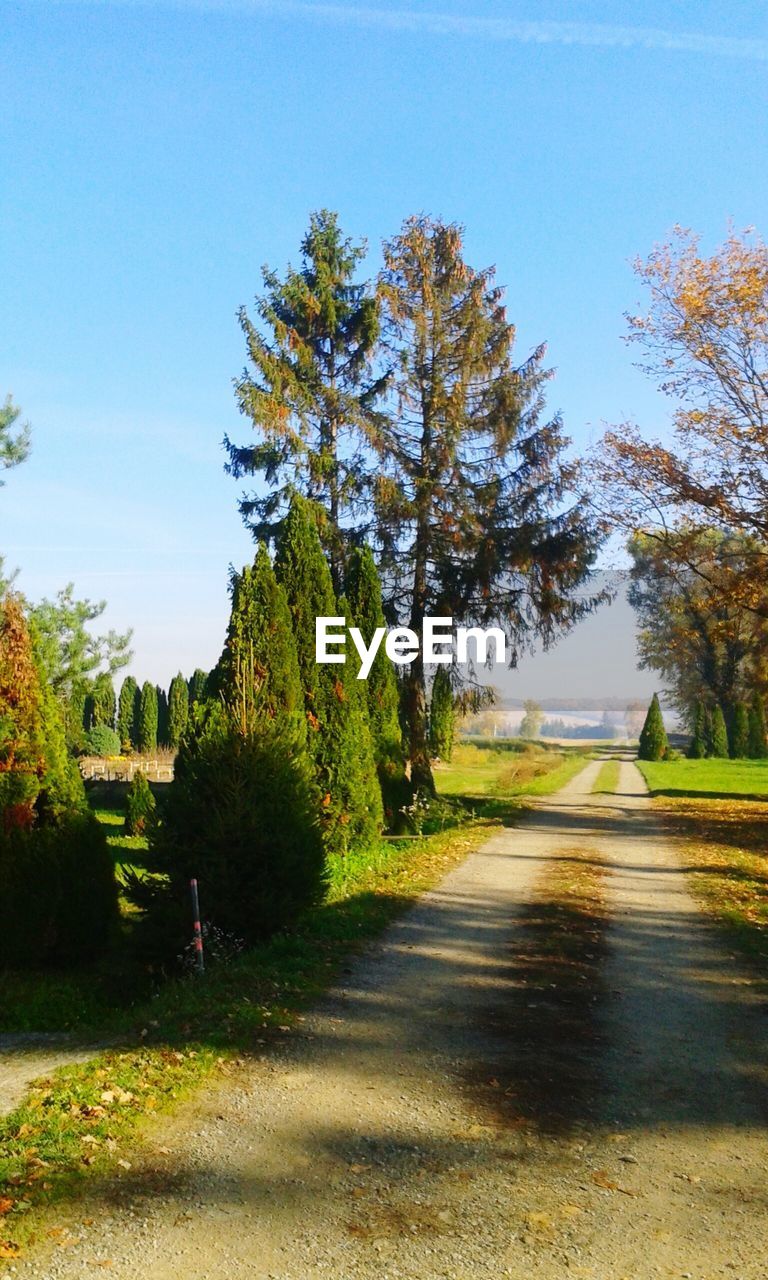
(154, 155)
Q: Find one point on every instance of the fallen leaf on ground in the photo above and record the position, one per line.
(8, 1249)
(5, 1204)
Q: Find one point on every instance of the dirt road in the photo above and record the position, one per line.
(549, 1067)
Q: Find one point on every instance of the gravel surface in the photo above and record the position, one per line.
(382, 1140)
(25, 1056)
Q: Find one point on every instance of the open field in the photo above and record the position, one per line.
(491, 770)
(712, 778)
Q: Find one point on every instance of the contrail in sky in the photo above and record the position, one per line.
(469, 26)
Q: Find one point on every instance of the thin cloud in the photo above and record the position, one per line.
(469, 26)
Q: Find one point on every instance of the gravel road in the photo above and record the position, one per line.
(387, 1138)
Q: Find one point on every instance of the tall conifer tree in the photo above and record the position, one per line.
(474, 512)
(653, 736)
(309, 387)
(147, 739)
(258, 672)
(363, 590)
(338, 735)
(442, 718)
(178, 710)
(126, 714)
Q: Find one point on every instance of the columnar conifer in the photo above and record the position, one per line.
(162, 716)
(719, 734)
(739, 741)
(653, 737)
(338, 734)
(148, 718)
(126, 714)
(697, 749)
(178, 710)
(441, 716)
(363, 590)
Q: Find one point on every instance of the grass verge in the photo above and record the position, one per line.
(713, 779)
(607, 780)
(83, 1118)
(723, 845)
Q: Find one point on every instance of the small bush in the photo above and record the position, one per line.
(240, 816)
(58, 891)
(102, 741)
(139, 805)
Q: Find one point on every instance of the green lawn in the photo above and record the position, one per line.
(713, 778)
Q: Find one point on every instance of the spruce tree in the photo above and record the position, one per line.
(178, 710)
(719, 734)
(126, 714)
(697, 749)
(258, 672)
(758, 745)
(441, 716)
(338, 734)
(653, 736)
(148, 719)
(363, 589)
(739, 741)
(162, 716)
(309, 387)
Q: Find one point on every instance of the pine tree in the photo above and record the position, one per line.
(473, 511)
(697, 749)
(309, 388)
(338, 735)
(178, 710)
(719, 735)
(653, 737)
(363, 590)
(148, 714)
(258, 672)
(126, 714)
(758, 744)
(441, 716)
(739, 741)
(162, 716)
(104, 706)
(198, 688)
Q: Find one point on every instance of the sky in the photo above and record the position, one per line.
(154, 155)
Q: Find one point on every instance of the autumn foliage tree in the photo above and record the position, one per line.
(704, 340)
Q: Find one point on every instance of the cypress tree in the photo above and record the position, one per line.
(162, 717)
(126, 714)
(338, 734)
(148, 715)
(178, 710)
(103, 702)
(708, 733)
(758, 746)
(653, 736)
(441, 716)
(719, 734)
(739, 744)
(381, 689)
(197, 687)
(698, 745)
(258, 672)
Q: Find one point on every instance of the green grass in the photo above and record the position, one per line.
(479, 772)
(607, 779)
(712, 778)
